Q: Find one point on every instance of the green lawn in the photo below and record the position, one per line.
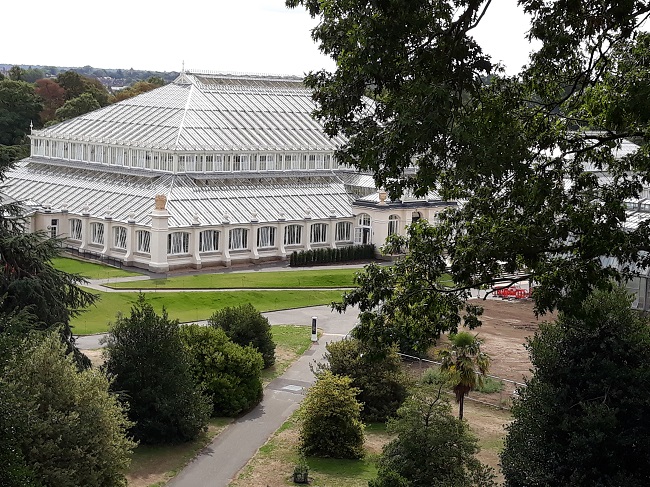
(274, 462)
(192, 306)
(326, 278)
(90, 270)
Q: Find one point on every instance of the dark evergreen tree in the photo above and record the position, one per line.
(151, 372)
(376, 374)
(582, 417)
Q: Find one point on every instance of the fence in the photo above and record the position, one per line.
(90, 255)
(497, 391)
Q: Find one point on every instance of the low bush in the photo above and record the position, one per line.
(330, 419)
(228, 373)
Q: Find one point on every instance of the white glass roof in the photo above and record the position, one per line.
(266, 199)
(206, 112)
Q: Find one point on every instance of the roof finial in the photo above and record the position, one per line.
(183, 67)
(31, 126)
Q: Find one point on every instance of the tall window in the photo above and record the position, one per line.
(362, 232)
(318, 233)
(208, 241)
(343, 231)
(393, 224)
(119, 237)
(97, 233)
(178, 243)
(75, 229)
(143, 238)
(238, 239)
(266, 237)
(293, 235)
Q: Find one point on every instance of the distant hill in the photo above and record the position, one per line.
(114, 78)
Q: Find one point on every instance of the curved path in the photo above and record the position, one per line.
(229, 452)
(219, 462)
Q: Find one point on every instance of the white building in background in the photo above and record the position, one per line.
(207, 170)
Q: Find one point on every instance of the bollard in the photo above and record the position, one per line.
(314, 332)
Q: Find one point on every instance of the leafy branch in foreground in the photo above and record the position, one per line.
(540, 162)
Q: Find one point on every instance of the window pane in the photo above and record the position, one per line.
(343, 231)
(144, 239)
(238, 239)
(97, 233)
(75, 229)
(208, 241)
(266, 237)
(119, 234)
(318, 233)
(293, 235)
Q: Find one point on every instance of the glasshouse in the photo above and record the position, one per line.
(211, 169)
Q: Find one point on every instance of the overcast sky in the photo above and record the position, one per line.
(253, 36)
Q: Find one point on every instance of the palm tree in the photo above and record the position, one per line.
(465, 364)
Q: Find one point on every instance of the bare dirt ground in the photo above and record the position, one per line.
(506, 325)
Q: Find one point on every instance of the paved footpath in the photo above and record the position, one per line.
(222, 459)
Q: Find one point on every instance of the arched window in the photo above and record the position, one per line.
(143, 237)
(238, 239)
(75, 228)
(293, 235)
(343, 231)
(364, 220)
(119, 237)
(97, 233)
(415, 216)
(178, 243)
(266, 237)
(208, 241)
(318, 233)
(393, 224)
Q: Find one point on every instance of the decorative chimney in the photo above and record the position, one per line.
(382, 197)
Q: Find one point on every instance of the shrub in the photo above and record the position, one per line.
(76, 429)
(432, 447)
(244, 325)
(327, 255)
(229, 374)
(151, 371)
(377, 375)
(330, 419)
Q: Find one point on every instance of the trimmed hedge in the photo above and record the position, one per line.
(329, 255)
